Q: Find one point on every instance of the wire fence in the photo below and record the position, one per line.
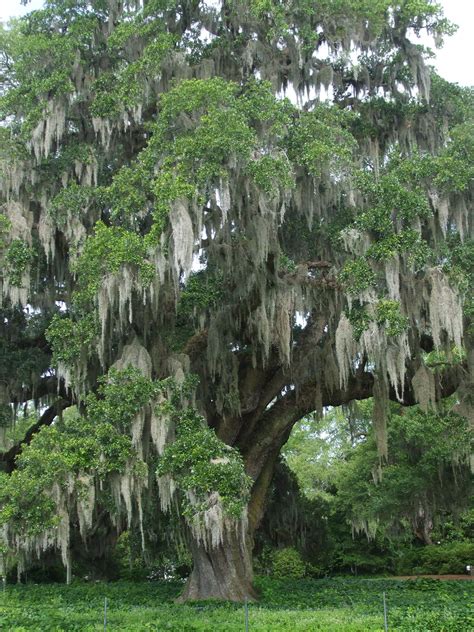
(73, 610)
(61, 614)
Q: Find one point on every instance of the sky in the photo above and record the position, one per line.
(454, 62)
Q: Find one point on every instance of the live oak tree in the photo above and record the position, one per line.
(197, 261)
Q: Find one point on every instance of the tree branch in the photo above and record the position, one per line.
(8, 458)
(272, 429)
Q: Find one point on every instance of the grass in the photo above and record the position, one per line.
(342, 605)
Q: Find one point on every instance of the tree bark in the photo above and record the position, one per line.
(224, 572)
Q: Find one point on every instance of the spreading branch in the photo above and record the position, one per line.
(8, 458)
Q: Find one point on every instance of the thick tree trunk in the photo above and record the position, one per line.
(224, 572)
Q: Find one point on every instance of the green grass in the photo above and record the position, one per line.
(343, 605)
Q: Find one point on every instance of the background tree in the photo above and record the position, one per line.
(169, 214)
(427, 477)
(374, 515)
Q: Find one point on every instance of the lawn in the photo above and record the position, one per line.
(343, 605)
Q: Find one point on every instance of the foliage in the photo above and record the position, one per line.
(394, 504)
(105, 253)
(75, 446)
(68, 337)
(331, 232)
(202, 464)
(287, 563)
(336, 605)
(445, 559)
(22, 359)
(459, 530)
(357, 276)
(101, 443)
(202, 290)
(388, 314)
(322, 141)
(18, 257)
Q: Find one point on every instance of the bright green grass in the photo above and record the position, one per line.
(342, 605)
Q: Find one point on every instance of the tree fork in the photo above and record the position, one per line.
(260, 449)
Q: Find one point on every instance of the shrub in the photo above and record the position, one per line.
(446, 558)
(287, 563)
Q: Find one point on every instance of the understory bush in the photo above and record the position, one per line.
(442, 559)
(288, 563)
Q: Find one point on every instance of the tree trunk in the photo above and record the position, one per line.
(224, 572)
